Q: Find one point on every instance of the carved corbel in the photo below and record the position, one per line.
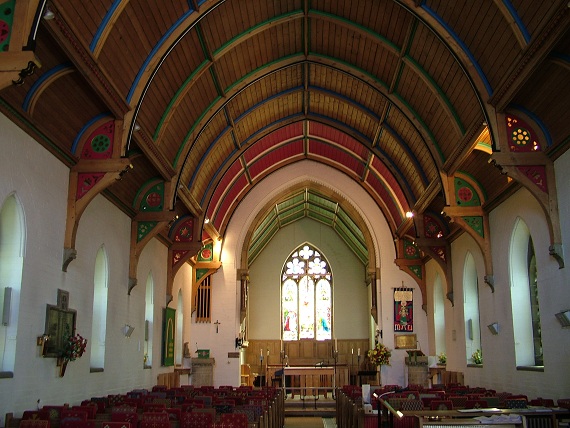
(466, 199)
(99, 166)
(186, 237)
(432, 241)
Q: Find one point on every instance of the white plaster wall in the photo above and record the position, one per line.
(40, 182)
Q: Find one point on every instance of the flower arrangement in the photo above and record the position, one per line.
(74, 348)
(379, 355)
(442, 358)
(477, 357)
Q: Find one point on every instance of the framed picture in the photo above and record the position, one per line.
(405, 341)
(60, 324)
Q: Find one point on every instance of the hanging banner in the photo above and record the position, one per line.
(168, 337)
(403, 309)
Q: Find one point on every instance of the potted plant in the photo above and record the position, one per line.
(442, 359)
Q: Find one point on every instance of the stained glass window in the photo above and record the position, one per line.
(306, 296)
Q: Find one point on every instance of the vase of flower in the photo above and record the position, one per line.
(74, 348)
(380, 355)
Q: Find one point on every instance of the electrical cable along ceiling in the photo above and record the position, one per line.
(207, 98)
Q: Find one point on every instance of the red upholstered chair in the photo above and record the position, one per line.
(52, 413)
(476, 404)
(458, 401)
(427, 400)
(197, 420)
(73, 413)
(155, 417)
(34, 423)
(234, 420)
(89, 408)
(108, 424)
(516, 403)
(441, 405)
(173, 413)
(539, 401)
(154, 424)
(125, 416)
(33, 414)
(153, 407)
(76, 423)
(564, 403)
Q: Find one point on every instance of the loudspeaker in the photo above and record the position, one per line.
(494, 328)
(7, 305)
(563, 318)
(146, 327)
(128, 330)
(470, 329)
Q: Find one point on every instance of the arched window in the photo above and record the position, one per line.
(99, 323)
(12, 250)
(471, 308)
(149, 320)
(306, 296)
(439, 315)
(524, 298)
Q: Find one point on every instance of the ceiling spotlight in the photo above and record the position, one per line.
(409, 214)
(137, 127)
(206, 220)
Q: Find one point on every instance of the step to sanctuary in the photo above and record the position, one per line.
(309, 406)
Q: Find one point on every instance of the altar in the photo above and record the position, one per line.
(311, 380)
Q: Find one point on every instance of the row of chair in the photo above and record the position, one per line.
(204, 407)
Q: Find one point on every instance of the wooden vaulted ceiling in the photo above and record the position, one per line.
(213, 96)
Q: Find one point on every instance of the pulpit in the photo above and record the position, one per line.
(417, 367)
(203, 371)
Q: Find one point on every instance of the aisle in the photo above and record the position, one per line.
(309, 422)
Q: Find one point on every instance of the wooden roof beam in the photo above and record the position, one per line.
(556, 25)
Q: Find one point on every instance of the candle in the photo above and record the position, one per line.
(261, 352)
(359, 352)
(352, 351)
(336, 345)
(268, 352)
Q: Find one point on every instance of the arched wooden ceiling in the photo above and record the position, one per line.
(213, 96)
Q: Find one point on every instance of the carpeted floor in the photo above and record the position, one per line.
(309, 422)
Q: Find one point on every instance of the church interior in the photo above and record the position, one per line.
(246, 193)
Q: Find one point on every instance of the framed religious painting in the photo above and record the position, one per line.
(60, 324)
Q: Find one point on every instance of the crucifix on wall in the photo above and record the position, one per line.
(217, 325)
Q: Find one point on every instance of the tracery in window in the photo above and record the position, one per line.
(306, 296)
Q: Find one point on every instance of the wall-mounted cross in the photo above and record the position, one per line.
(217, 325)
